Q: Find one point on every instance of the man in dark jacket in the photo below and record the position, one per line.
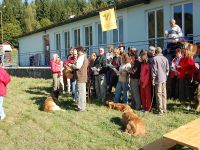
(100, 75)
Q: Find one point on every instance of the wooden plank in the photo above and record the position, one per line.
(187, 135)
(160, 144)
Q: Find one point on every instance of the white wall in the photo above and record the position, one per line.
(28, 46)
(135, 27)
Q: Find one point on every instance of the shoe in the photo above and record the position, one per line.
(80, 110)
(188, 107)
(2, 118)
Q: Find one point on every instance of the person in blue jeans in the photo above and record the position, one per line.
(122, 84)
(4, 80)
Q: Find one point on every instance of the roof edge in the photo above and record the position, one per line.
(87, 15)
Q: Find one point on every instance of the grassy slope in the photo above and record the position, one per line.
(27, 127)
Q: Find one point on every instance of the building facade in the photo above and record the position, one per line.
(140, 23)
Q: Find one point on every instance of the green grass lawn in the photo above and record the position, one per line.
(28, 127)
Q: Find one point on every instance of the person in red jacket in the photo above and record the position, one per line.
(56, 72)
(186, 70)
(174, 92)
(4, 80)
(145, 82)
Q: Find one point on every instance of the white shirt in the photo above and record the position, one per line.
(173, 34)
(79, 62)
(109, 55)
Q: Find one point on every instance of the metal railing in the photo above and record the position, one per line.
(41, 58)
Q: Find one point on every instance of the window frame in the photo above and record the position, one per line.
(103, 35)
(90, 35)
(67, 40)
(58, 41)
(77, 41)
(118, 32)
(156, 35)
(182, 15)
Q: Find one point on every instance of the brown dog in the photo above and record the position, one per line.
(133, 124)
(198, 97)
(50, 105)
(118, 106)
(68, 72)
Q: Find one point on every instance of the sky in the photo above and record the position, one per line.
(23, 0)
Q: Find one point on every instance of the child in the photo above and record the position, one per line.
(4, 80)
(61, 75)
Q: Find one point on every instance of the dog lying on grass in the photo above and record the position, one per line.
(117, 106)
(132, 123)
(50, 105)
(197, 97)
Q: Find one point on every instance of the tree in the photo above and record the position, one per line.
(8, 13)
(45, 22)
(30, 23)
(11, 30)
(57, 8)
(42, 9)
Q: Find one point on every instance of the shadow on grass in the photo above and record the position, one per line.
(67, 104)
(175, 106)
(39, 90)
(117, 121)
(39, 101)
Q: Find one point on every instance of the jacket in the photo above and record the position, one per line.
(4, 80)
(55, 67)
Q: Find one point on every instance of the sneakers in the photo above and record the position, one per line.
(2, 117)
(80, 110)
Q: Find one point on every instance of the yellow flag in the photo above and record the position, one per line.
(108, 20)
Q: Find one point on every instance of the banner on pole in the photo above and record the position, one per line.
(108, 20)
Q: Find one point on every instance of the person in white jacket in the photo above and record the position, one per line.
(173, 35)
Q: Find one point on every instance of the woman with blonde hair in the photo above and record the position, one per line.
(186, 70)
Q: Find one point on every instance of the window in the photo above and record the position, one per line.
(58, 42)
(88, 36)
(184, 17)
(102, 36)
(155, 28)
(77, 37)
(119, 32)
(67, 40)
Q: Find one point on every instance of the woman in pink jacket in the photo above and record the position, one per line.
(56, 72)
(4, 80)
(145, 82)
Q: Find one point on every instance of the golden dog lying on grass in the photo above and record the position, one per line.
(198, 97)
(50, 105)
(117, 106)
(132, 123)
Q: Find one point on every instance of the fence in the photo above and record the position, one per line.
(40, 58)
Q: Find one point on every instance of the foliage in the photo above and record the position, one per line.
(28, 127)
(41, 13)
(45, 22)
(11, 31)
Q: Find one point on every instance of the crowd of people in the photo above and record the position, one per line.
(144, 74)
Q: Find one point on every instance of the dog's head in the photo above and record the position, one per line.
(110, 104)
